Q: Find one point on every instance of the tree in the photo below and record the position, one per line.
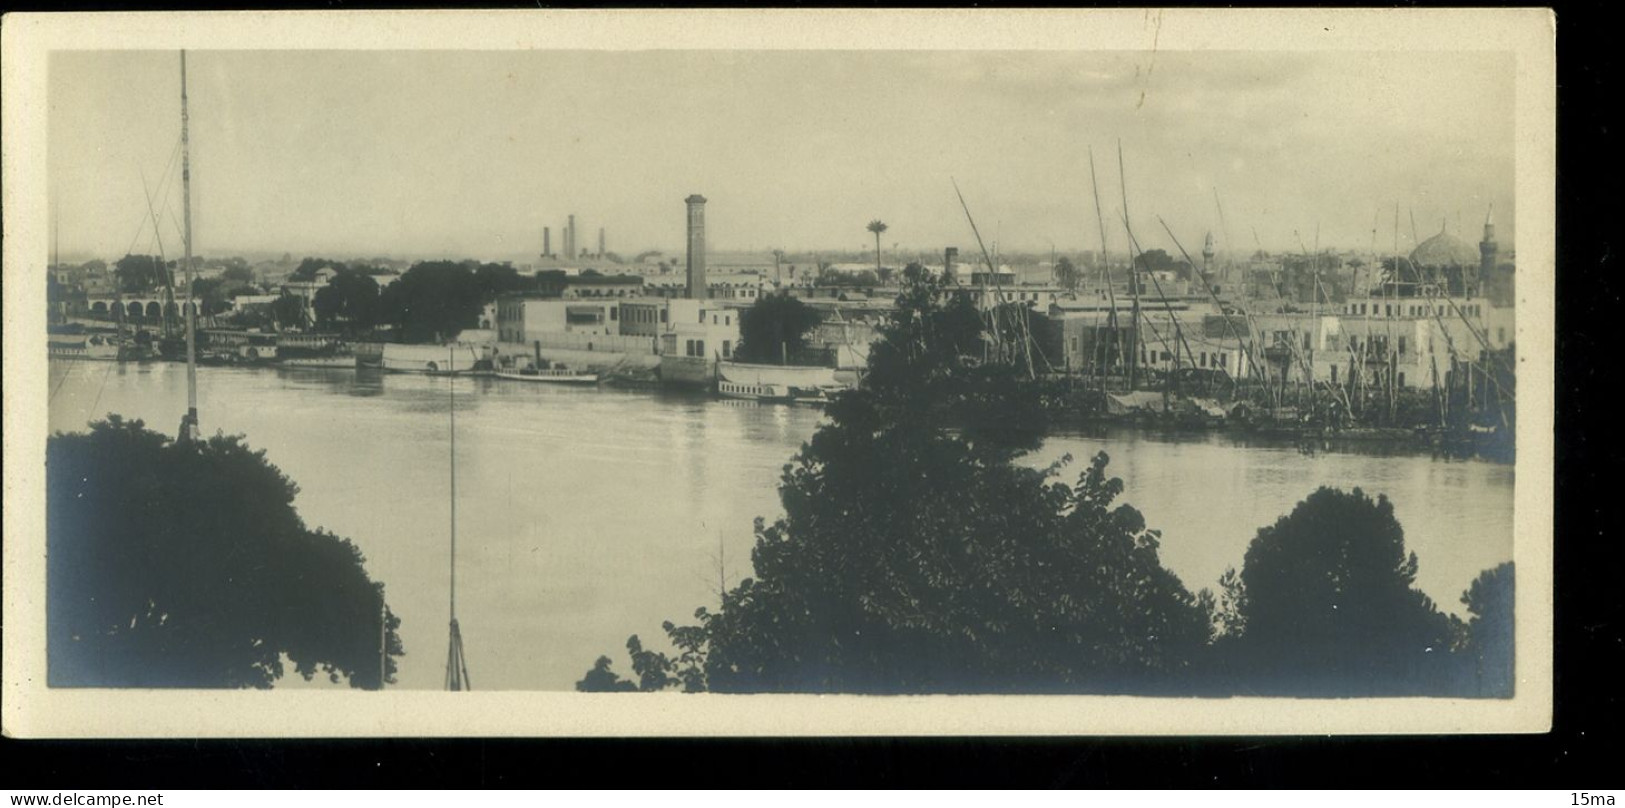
(1328, 606)
(877, 227)
(1489, 643)
(184, 564)
(774, 328)
(139, 273)
(1157, 260)
(497, 279)
(1067, 274)
(433, 301)
(211, 295)
(241, 274)
(351, 298)
(603, 680)
(288, 311)
(310, 266)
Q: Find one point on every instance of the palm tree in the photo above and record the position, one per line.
(877, 227)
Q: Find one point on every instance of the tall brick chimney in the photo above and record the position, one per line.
(697, 288)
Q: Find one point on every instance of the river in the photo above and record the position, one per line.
(587, 515)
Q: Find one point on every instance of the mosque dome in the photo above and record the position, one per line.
(1444, 250)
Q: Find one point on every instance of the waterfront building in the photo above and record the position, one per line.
(595, 285)
(1450, 263)
(745, 287)
(149, 307)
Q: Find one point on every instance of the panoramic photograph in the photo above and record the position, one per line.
(1126, 372)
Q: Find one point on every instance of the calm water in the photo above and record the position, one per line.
(588, 515)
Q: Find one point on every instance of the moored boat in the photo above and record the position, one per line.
(552, 375)
(91, 347)
(789, 384)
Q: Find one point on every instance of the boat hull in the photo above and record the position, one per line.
(544, 377)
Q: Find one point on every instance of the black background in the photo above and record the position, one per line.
(1578, 754)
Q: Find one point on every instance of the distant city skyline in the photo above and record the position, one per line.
(471, 154)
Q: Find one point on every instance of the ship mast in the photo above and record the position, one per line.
(189, 425)
(456, 665)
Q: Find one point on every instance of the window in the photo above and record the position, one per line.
(1204, 359)
(727, 351)
(1402, 378)
(1222, 359)
(1401, 346)
(1166, 357)
(615, 313)
(1306, 340)
(688, 348)
(699, 347)
(662, 315)
(1500, 334)
(1334, 374)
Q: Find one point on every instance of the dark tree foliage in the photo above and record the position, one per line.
(773, 328)
(212, 295)
(351, 297)
(139, 273)
(915, 556)
(1328, 606)
(862, 279)
(288, 311)
(1158, 260)
(185, 565)
(497, 279)
(603, 680)
(308, 268)
(1490, 631)
(1067, 274)
(434, 300)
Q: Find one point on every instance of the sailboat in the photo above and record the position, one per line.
(456, 664)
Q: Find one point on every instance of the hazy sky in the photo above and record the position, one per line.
(472, 153)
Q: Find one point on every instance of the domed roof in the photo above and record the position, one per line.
(1444, 250)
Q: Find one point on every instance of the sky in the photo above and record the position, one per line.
(471, 153)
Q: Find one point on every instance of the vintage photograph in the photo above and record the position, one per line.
(889, 371)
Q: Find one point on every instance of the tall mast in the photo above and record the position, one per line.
(190, 428)
(1134, 274)
(456, 665)
(1106, 270)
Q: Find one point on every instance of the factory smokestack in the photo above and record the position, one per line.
(570, 238)
(600, 242)
(697, 288)
(948, 256)
(547, 242)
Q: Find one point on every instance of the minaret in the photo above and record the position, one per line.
(1488, 250)
(1207, 255)
(697, 289)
